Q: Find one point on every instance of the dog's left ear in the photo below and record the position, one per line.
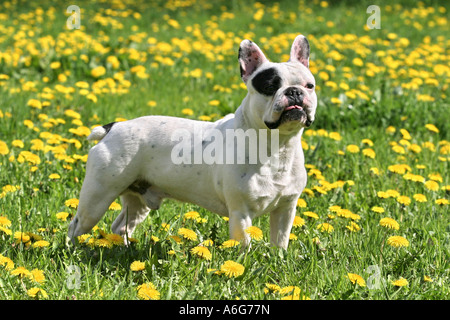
(250, 58)
(300, 50)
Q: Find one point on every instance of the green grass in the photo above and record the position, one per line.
(407, 96)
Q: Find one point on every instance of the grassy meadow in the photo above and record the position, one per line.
(373, 222)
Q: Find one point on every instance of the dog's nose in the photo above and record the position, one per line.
(294, 95)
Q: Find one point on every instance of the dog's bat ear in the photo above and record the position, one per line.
(300, 50)
(250, 58)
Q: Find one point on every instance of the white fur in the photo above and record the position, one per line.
(140, 150)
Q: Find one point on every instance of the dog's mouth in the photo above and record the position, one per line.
(291, 113)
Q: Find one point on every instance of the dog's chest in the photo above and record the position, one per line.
(265, 193)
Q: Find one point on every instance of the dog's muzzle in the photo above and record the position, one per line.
(294, 111)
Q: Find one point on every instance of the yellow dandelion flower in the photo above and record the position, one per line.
(397, 241)
(98, 71)
(204, 118)
(177, 239)
(356, 279)
(137, 266)
(393, 193)
(368, 152)
(115, 239)
(18, 143)
(202, 252)
(389, 223)
(115, 206)
(420, 197)
(405, 134)
(4, 221)
(441, 202)
(187, 112)
(207, 243)
(4, 150)
(345, 213)
(355, 216)
(325, 227)
(21, 272)
(382, 194)
(436, 177)
(286, 290)
(255, 233)
(230, 243)
(147, 291)
(21, 237)
(37, 275)
(352, 148)
(377, 209)
(165, 226)
(292, 236)
(298, 222)
(34, 103)
(6, 262)
(399, 168)
(62, 216)
(232, 269)
(335, 136)
(432, 185)
(191, 215)
(335, 100)
(187, 234)
(84, 237)
(103, 243)
(358, 62)
(353, 227)
(41, 244)
(311, 214)
(400, 282)
(151, 103)
(301, 203)
(37, 293)
(427, 279)
(432, 127)
(272, 287)
(6, 230)
(404, 200)
(335, 208)
(71, 203)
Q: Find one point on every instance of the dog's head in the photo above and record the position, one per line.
(281, 95)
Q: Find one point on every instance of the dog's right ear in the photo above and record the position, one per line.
(250, 58)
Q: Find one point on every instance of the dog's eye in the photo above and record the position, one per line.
(309, 85)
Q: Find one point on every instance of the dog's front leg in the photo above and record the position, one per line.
(281, 220)
(239, 222)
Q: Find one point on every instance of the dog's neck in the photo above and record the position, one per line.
(288, 147)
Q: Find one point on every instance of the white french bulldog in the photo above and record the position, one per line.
(136, 159)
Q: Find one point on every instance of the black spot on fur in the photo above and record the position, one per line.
(139, 186)
(108, 126)
(267, 82)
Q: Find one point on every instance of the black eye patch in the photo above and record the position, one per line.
(267, 82)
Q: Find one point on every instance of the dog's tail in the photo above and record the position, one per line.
(98, 133)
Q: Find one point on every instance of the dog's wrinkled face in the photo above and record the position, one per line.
(281, 95)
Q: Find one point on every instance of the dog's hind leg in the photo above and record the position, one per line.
(134, 211)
